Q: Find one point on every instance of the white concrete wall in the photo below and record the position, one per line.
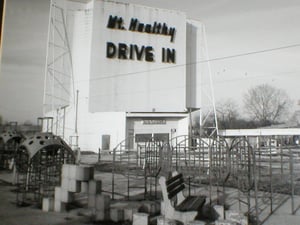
(133, 85)
(98, 124)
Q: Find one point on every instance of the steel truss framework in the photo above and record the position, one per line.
(59, 90)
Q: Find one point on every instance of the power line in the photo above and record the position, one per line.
(197, 62)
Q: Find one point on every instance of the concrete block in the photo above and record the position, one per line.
(64, 183)
(224, 222)
(91, 201)
(72, 171)
(84, 173)
(102, 202)
(140, 219)
(102, 215)
(74, 185)
(128, 213)
(57, 193)
(48, 204)
(84, 187)
(59, 206)
(220, 211)
(161, 220)
(230, 213)
(116, 214)
(196, 222)
(95, 187)
(239, 219)
(150, 207)
(236, 216)
(65, 171)
(66, 196)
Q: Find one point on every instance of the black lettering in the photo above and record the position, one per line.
(148, 28)
(172, 33)
(139, 54)
(158, 28)
(110, 50)
(154, 27)
(133, 24)
(163, 55)
(170, 55)
(164, 29)
(141, 27)
(122, 51)
(120, 23)
(149, 57)
(131, 52)
(112, 21)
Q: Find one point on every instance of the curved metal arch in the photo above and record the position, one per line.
(219, 161)
(241, 164)
(32, 146)
(130, 155)
(44, 141)
(190, 155)
(10, 136)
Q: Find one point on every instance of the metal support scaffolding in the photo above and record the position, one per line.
(59, 90)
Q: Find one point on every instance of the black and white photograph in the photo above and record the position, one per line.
(161, 112)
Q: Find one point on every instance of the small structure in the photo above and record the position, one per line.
(38, 162)
(9, 142)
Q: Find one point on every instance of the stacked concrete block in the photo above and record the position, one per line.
(84, 187)
(94, 189)
(84, 173)
(196, 222)
(48, 204)
(61, 197)
(117, 214)
(66, 196)
(59, 206)
(102, 207)
(224, 222)
(140, 219)
(74, 185)
(219, 210)
(102, 202)
(161, 220)
(72, 177)
(230, 213)
(128, 213)
(92, 201)
(65, 170)
(236, 216)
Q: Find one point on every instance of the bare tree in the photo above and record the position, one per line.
(227, 113)
(266, 104)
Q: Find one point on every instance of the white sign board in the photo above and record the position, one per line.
(138, 59)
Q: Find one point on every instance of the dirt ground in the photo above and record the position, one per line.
(11, 214)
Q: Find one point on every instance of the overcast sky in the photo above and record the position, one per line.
(268, 29)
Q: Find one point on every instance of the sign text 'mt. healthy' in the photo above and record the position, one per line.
(133, 51)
